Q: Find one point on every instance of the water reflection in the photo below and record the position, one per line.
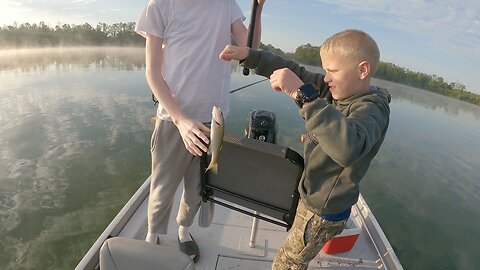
(404, 93)
(27, 60)
(65, 135)
(74, 138)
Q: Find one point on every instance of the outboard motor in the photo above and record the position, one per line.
(262, 126)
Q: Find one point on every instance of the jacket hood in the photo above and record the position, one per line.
(374, 94)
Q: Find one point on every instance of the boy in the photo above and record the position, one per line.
(346, 121)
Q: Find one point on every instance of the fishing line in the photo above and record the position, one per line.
(248, 85)
(231, 92)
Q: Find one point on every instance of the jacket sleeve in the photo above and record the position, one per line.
(346, 138)
(265, 63)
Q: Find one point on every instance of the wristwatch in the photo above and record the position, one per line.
(306, 93)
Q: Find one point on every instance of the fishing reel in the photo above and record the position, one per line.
(262, 126)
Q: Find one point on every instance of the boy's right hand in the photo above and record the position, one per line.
(285, 80)
(232, 52)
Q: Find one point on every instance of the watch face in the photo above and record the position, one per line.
(308, 90)
(306, 93)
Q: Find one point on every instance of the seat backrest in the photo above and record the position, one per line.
(120, 253)
(257, 175)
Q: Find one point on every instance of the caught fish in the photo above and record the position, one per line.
(217, 131)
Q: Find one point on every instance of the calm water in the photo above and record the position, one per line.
(74, 138)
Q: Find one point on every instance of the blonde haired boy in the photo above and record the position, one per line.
(346, 120)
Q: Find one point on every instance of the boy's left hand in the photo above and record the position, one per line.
(285, 80)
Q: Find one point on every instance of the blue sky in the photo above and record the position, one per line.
(432, 36)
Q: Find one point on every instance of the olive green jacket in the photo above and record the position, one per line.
(343, 136)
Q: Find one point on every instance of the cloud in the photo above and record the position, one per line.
(448, 25)
(46, 4)
(52, 11)
(82, 1)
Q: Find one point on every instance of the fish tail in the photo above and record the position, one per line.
(213, 167)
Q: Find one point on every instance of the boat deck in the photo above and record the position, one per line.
(224, 245)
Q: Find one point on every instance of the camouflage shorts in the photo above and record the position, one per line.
(305, 239)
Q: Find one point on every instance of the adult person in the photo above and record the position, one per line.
(183, 40)
(346, 120)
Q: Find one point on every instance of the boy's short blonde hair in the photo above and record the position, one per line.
(355, 45)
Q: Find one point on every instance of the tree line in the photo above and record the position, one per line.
(42, 35)
(123, 34)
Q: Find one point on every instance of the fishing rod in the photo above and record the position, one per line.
(245, 86)
(253, 17)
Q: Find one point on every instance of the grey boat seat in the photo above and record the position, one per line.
(256, 175)
(120, 253)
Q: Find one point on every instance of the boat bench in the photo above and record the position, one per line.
(256, 175)
(120, 253)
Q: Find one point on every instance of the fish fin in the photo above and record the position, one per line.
(215, 168)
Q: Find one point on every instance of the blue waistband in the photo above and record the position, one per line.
(337, 217)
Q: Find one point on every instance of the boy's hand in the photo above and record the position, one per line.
(285, 80)
(234, 53)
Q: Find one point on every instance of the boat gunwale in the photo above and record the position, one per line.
(380, 241)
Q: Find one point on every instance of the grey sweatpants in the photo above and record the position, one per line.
(171, 162)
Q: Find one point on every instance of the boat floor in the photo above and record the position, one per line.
(224, 245)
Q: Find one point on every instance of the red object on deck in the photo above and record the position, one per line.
(341, 243)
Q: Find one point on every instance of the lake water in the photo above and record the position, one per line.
(74, 146)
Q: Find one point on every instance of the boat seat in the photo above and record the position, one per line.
(120, 253)
(256, 175)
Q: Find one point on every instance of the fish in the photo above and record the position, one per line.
(217, 130)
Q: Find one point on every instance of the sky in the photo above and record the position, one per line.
(431, 36)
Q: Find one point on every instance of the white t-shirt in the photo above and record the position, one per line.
(194, 33)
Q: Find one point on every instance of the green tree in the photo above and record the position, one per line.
(308, 55)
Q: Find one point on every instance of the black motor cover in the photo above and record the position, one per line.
(262, 125)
